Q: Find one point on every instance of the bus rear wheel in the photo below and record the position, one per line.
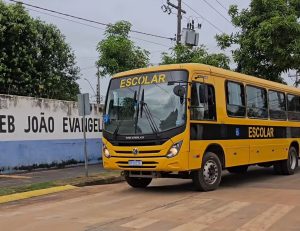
(288, 166)
(208, 177)
(238, 169)
(137, 182)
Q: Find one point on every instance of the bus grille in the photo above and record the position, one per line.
(138, 143)
(146, 165)
(153, 152)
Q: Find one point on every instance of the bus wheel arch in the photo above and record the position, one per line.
(288, 166)
(295, 144)
(219, 151)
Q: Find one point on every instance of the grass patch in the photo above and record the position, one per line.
(26, 188)
(97, 179)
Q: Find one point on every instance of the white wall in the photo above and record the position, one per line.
(37, 131)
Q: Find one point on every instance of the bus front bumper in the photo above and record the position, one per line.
(146, 164)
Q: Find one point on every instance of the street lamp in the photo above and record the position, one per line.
(90, 85)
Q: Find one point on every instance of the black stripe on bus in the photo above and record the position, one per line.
(236, 131)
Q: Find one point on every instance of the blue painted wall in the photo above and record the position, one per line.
(14, 154)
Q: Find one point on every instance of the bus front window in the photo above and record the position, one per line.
(145, 104)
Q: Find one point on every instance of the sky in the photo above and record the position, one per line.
(145, 16)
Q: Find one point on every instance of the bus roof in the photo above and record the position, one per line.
(212, 70)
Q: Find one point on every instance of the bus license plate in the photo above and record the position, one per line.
(135, 163)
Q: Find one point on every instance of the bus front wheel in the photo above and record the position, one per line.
(208, 177)
(137, 182)
(288, 166)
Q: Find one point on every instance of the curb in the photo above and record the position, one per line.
(55, 189)
(108, 180)
(34, 193)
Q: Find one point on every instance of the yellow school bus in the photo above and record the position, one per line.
(194, 120)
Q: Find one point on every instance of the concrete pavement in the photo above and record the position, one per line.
(258, 200)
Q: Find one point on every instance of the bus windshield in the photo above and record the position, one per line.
(145, 103)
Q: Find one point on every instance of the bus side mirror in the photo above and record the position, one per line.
(179, 91)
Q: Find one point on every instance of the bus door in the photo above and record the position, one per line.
(261, 146)
(203, 116)
(235, 141)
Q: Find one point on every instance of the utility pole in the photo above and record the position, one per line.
(84, 109)
(98, 87)
(180, 11)
(179, 17)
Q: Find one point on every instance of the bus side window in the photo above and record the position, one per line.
(257, 103)
(203, 102)
(293, 107)
(277, 105)
(235, 97)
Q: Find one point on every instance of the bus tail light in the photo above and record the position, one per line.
(174, 150)
(105, 151)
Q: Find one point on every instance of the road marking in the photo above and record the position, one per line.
(186, 205)
(115, 200)
(190, 226)
(15, 177)
(34, 193)
(267, 218)
(221, 212)
(139, 223)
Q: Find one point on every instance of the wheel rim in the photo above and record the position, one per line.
(293, 160)
(210, 172)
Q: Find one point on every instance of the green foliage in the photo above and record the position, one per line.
(184, 54)
(35, 60)
(118, 53)
(268, 38)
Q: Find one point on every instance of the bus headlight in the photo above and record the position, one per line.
(105, 151)
(174, 150)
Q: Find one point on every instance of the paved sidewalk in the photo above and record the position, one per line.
(20, 179)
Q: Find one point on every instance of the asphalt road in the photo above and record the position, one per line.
(257, 201)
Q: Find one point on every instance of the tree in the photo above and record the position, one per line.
(268, 38)
(184, 54)
(117, 52)
(35, 59)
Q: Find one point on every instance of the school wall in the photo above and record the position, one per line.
(43, 132)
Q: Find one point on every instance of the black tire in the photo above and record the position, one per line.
(238, 169)
(277, 168)
(288, 166)
(209, 176)
(137, 182)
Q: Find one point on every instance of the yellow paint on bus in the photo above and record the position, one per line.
(238, 140)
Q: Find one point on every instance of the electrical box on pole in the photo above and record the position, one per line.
(190, 37)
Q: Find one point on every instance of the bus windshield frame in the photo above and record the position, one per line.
(145, 104)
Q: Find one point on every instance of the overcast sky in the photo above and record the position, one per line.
(145, 16)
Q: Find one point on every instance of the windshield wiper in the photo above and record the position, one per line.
(117, 129)
(149, 116)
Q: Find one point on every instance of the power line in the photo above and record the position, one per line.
(88, 25)
(144, 40)
(70, 20)
(222, 5)
(218, 12)
(213, 25)
(84, 24)
(88, 20)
